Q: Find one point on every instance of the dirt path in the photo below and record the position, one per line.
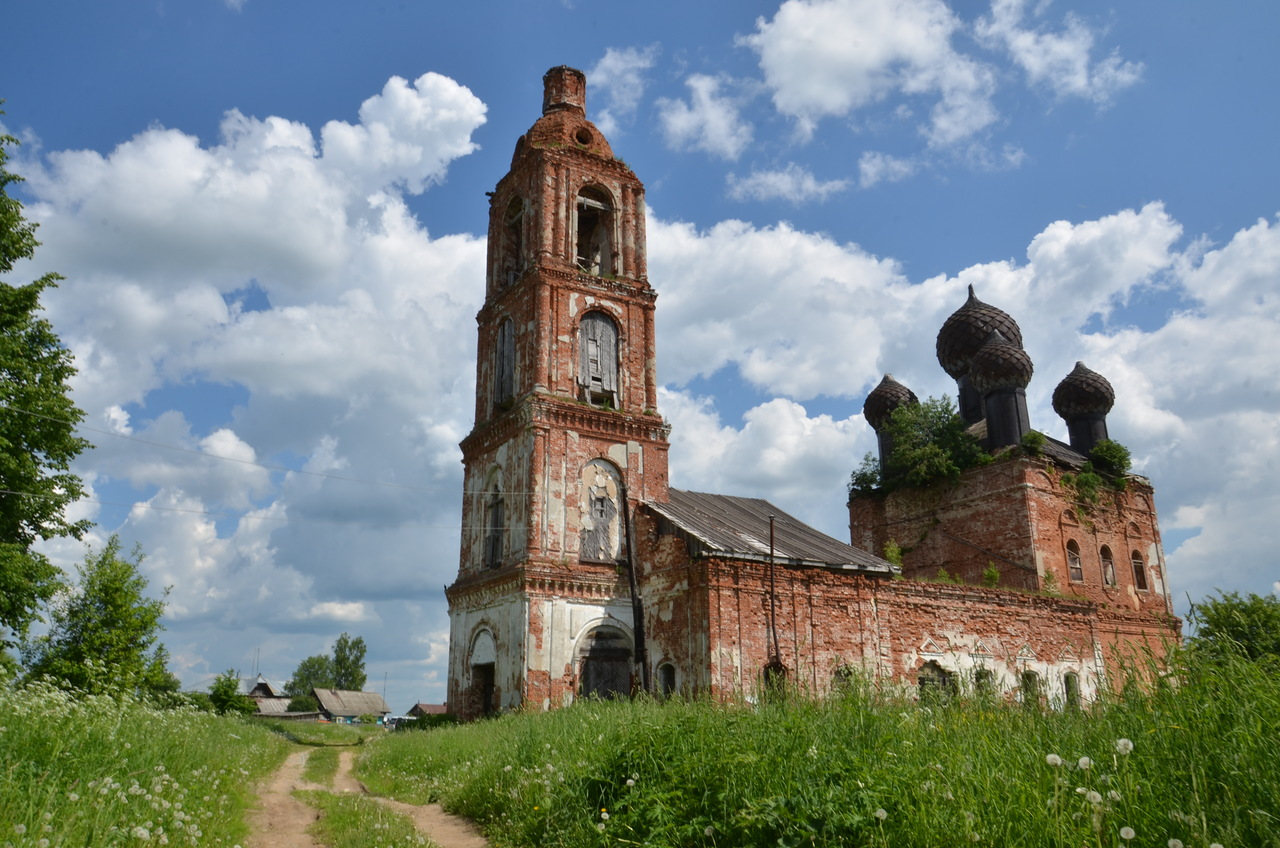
(281, 820)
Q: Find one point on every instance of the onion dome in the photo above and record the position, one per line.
(1083, 392)
(884, 399)
(1000, 364)
(967, 330)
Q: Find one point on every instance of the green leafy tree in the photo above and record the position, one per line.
(224, 694)
(38, 421)
(343, 670)
(929, 442)
(1235, 625)
(103, 633)
(312, 673)
(303, 704)
(348, 663)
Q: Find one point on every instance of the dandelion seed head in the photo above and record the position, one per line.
(1124, 746)
(1093, 797)
(882, 814)
(631, 782)
(1175, 843)
(974, 837)
(708, 830)
(1126, 833)
(1053, 760)
(1113, 795)
(1084, 763)
(600, 827)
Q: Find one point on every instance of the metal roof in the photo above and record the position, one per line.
(738, 528)
(342, 702)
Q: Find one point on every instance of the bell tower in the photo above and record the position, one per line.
(567, 438)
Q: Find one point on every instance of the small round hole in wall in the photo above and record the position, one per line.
(582, 135)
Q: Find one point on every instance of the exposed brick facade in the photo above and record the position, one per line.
(568, 585)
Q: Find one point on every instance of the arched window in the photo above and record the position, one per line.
(1108, 566)
(1030, 683)
(603, 521)
(984, 682)
(598, 359)
(1139, 572)
(773, 678)
(504, 365)
(511, 262)
(666, 679)
(1071, 689)
(936, 684)
(494, 531)
(593, 244)
(1074, 565)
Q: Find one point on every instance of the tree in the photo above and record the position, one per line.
(312, 673)
(224, 694)
(37, 428)
(928, 442)
(103, 633)
(348, 663)
(343, 670)
(1231, 625)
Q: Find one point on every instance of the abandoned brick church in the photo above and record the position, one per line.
(583, 573)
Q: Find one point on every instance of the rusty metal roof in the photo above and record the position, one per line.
(738, 528)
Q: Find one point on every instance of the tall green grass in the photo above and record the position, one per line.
(1196, 764)
(90, 770)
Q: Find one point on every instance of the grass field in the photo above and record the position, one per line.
(1194, 764)
(95, 771)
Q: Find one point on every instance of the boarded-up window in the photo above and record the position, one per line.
(493, 532)
(504, 366)
(593, 242)
(1108, 566)
(1139, 572)
(598, 359)
(605, 662)
(1073, 562)
(511, 262)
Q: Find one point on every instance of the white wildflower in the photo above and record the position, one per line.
(631, 782)
(1124, 746)
(1084, 763)
(708, 830)
(141, 832)
(1053, 760)
(1126, 833)
(882, 814)
(1093, 797)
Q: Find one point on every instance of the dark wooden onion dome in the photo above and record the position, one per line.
(1000, 371)
(880, 404)
(1083, 399)
(961, 336)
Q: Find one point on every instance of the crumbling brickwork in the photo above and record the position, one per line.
(569, 583)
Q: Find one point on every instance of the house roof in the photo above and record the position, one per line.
(738, 528)
(343, 702)
(263, 686)
(428, 709)
(273, 706)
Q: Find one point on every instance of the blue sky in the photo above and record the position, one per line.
(271, 219)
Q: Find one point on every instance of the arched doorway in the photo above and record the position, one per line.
(483, 661)
(605, 663)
